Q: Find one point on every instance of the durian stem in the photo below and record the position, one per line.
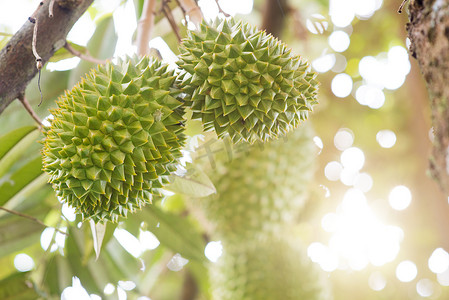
(145, 26)
(13, 212)
(83, 56)
(30, 110)
(192, 10)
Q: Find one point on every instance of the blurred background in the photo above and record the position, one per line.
(379, 227)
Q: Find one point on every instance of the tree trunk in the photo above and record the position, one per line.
(428, 31)
(17, 62)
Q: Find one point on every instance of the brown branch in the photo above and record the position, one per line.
(189, 287)
(274, 15)
(17, 62)
(30, 110)
(402, 6)
(19, 214)
(220, 10)
(192, 10)
(82, 55)
(144, 27)
(168, 14)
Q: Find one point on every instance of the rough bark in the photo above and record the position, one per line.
(428, 31)
(17, 62)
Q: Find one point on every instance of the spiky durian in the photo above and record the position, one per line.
(114, 138)
(244, 82)
(261, 187)
(266, 270)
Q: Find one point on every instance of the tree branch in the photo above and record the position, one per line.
(145, 26)
(274, 15)
(19, 214)
(17, 62)
(428, 31)
(29, 109)
(192, 10)
(83, 56)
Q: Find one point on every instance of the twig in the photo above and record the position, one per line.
(192, 10)
(50, 8)
(182, 9)
(36, 55)
(30, 218)
(30, 110)
(402, 6)
(220, 10)
(82, 55)
(168, 14)
(145, 26)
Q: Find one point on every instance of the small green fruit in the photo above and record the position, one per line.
(245, 83)
(114, 139)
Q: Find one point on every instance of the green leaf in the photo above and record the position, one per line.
(19, 179)
(101, 234)
(175, 232)
(15, 287)
(17, 233)
(63, 53)
(14, 144)
(194, 183)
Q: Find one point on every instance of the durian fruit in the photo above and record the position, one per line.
(261, 188)
(244, 82)
(114, 138)
(267, 270)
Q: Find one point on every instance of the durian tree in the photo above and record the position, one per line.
(150, 163)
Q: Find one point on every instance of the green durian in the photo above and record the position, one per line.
(261, 187)
(243, 82)
(272, 269)
(115, 138)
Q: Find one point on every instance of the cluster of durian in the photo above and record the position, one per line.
(116, 136)
(261, 192)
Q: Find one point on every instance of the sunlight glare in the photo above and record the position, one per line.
(23, 262)
(343, 139)
(213, 251)
(341, 85)
(439, 261)
(400, 197)
(353, 158)
(324, 63)
(333, 170)
(406, 271)
(339, 41)
(425, 287)
(377, 281)
(129, 242)
(386, 138)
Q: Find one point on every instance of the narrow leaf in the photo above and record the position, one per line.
(14, 183)
(175, 232)
(194, 183)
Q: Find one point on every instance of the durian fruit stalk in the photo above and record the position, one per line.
(245, 83)
(267, 270)
(114, 139)
(261, 188)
